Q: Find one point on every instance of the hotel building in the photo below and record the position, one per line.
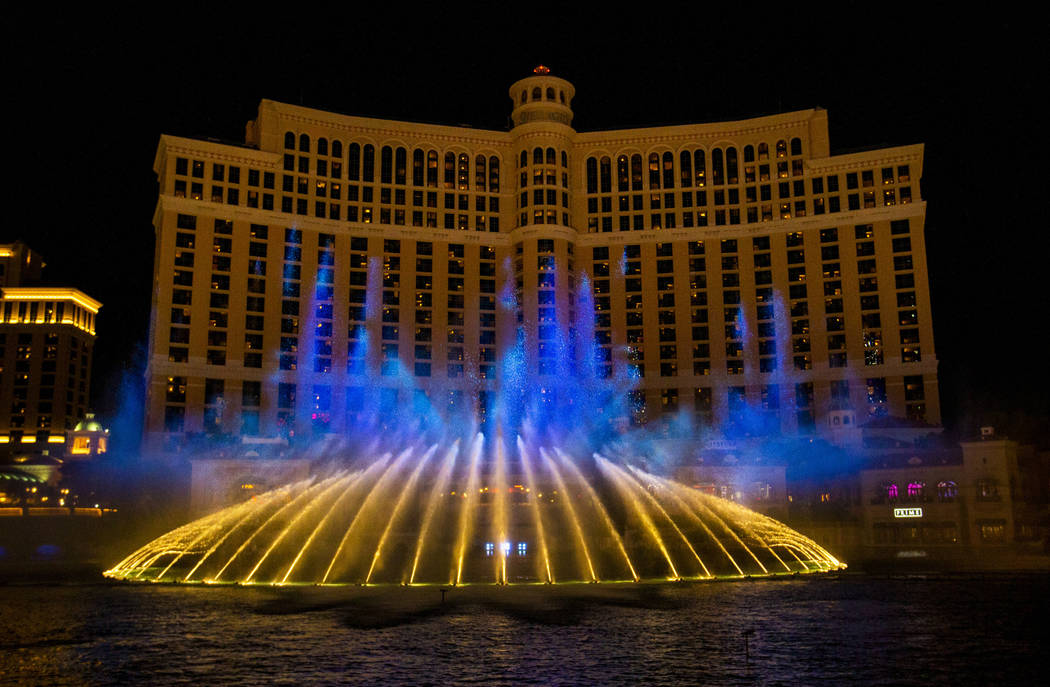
(46, 338)
(739, 269)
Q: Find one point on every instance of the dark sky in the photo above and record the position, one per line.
(90, 96)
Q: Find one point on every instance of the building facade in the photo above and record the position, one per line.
(738, 269)
(46, 339)
(971, 496)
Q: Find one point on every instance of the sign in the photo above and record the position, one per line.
(907, 512)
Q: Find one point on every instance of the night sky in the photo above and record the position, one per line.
(89, 96)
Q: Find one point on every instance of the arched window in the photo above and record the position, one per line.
(386, 164)
(622, 174)
(494, 174)
(479, 173)
(417, 167)
(524, 159)
(606, 175)
(561, 97)
(304, 143)
(947, 491)
(322, 146)
(668, 170)
(564, 159)
(592, 175)
(463, 172)
(353, 163)
(450, 170)
(717, 167)
(749, 153)
(551, 156)
(537, 156)
(524, 95)
(337, 148)
(432, 169)
(550, 93)
(701, 168)
(763, 151)
(916, 490)
(368, 163)
(654, 170)
(781, 148)
(685, 164)
(636, 172)
(889, 490)
(796, 146)
(289, 140)
(400, 156)
(731, 166)
(537, 94)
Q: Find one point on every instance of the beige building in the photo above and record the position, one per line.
(735, 266)
(46, 339)
(938, 499)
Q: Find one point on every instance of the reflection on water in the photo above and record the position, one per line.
(842, 629)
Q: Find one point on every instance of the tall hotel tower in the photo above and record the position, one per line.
(737, 267)
(47, 334)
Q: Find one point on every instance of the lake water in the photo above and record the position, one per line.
(832, 629)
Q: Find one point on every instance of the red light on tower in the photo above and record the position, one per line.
(541, 70)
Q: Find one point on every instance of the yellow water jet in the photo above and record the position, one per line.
(439, 488)
(414, 519)
(566, 499)
(397, 508)
(537, 518)
(466, 519)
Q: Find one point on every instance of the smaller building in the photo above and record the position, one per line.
(738, 471)
(890, 491)
(913, 499)
(238, 473)
(932, 501)
(88, 439)
(16, 487)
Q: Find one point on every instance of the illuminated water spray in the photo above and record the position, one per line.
(520, 492)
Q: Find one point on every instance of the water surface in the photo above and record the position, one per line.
(835, 629)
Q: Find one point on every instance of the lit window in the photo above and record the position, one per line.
(890, 490)
(947, 491)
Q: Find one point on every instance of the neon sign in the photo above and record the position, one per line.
(907, 512)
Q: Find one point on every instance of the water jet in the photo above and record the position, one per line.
(375, 526)
(524, 491)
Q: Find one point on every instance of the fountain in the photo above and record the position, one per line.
(440, 516)
(522, 493)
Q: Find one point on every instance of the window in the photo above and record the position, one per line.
(947, 491)
(987, 490)
(992, 531)
(889, 491)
